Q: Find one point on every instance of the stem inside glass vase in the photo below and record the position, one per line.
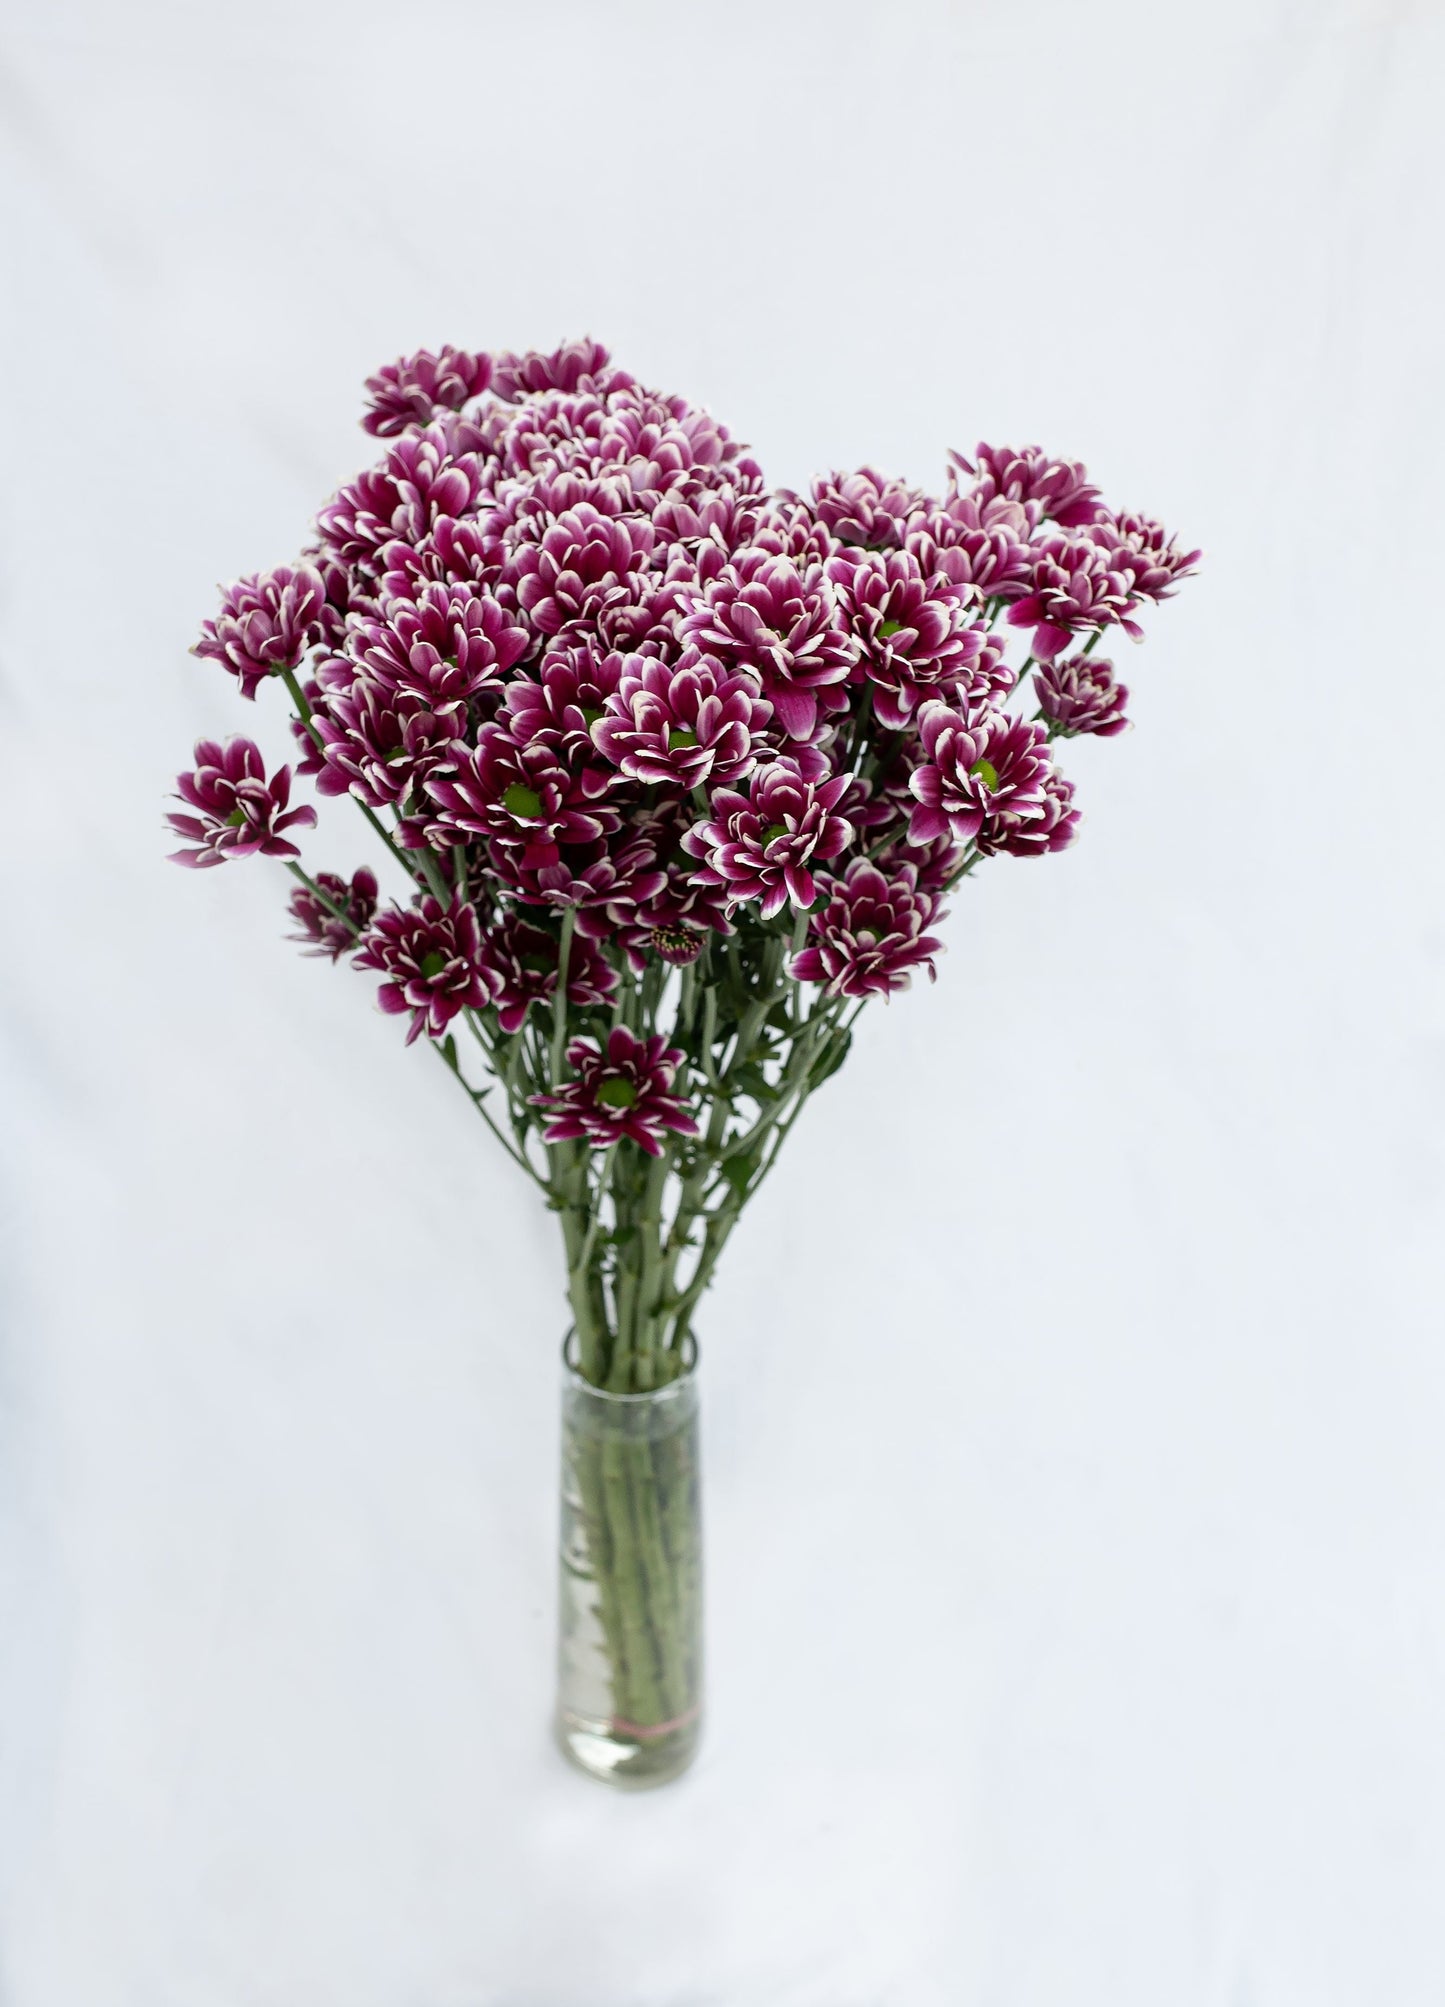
(629, 1703)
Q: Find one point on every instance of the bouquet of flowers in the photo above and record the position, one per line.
(671, 773)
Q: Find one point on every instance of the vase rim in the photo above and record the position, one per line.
(686, 1378)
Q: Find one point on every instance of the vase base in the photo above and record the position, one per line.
(632, 1762)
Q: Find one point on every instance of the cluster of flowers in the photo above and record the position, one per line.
(567, 648)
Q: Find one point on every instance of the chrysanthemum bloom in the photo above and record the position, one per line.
(574, 681)
(869, 938)
(1078, 583)
(452, 553)
(982, 544)
(521, 961)
(974, 767)
(265, 624)
(915, 633)
(1035, 834)
(1058, 489)
(865, 508)
(766, 617)
(574, 363)
(334, 931)
(520, 796)
(624, 1091)
(1144, 550)
(379, 747)
(603, 882)
(420, 481)
(759, 845)
(439, 647)
(584, 563)
(238, 811)
(409, 393)
(684, 725)
(429, 954)
(1082, 694)
(675, 918)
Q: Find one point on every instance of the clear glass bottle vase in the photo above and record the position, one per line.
(629, 1676)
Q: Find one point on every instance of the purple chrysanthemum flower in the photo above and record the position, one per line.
(440, 646)
(624, 1091)
(265, 624)
(584, 563)
(379, 746)
(604, 881)
(519, 796)
(573, 364)
(429, 954)
(682, 724)
(520, 959)
(238, 811)
(420, 481)
(759, 845)
(865, 508)
(869, 938)
(334, 931)
(979, 544)
(975, 767)
(1078, 583)
(1082, 695)
(406, 394)
(574, 681)
(1057, 489)
(452, 553)
(1032, 835)
(765, 616)
(915, 634)
(1144, 550)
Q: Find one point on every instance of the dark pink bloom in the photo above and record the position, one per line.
(979, 544)
(605, 881)
(334, 932)
(975, 767)
(765, 616)
(574, 681)
(407, 394)
(1060, 489)
(674, 918)
(440, 646)
(379, 746)
(574, 363)
(624, 1091)
(865, 508)
(915, 633)
(519, 796)
(1082, 695)
(266, 624)
(238, 811)
(685, 724)
(1144, 550)
(520, 958)
(584, 563)
(759, 845)
(452, 553)
(869, 938)
(420, 481)
(1034, 834)
(1078, 583)
(429, 954)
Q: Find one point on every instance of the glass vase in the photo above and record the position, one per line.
(629, 1682)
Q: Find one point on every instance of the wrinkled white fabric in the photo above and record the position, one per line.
(1074, 1396)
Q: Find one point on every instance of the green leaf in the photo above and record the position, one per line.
(752, 1080)
(830, 1059)
(449, 1052)
(739, 1170)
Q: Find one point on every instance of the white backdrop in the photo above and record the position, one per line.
(1074, 1402)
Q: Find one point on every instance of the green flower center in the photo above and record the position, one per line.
(235, 819)
(889, 627)
(432, 965)
(522, 801)
(615, 1092)
(987, 772)
(771, 835)
(679, 739)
